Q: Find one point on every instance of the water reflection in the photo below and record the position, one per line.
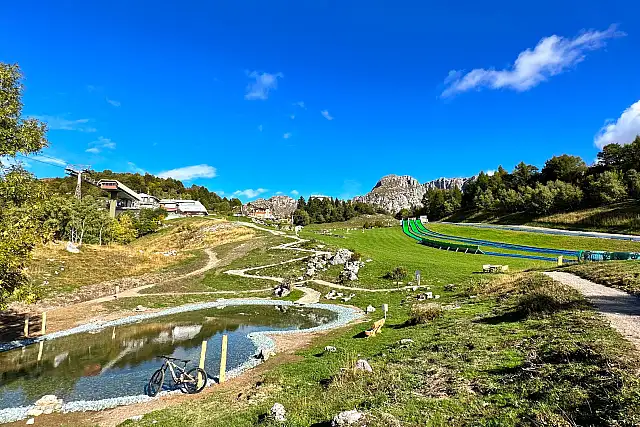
(119, 361)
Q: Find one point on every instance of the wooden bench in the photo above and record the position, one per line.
(489, 268)
(377, 328)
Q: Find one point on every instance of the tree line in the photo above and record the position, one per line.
(162, 188)
(317, 210)
(565, 183)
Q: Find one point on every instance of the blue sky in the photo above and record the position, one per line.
(323, 97)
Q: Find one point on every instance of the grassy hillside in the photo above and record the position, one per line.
(623, 275)
(617, 218)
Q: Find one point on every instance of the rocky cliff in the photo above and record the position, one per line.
(281, 207)
(393, 192)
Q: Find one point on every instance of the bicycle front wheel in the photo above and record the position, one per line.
(195, 380)
(155, 383)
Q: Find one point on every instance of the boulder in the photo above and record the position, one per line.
(278, 412)
(363, 365)
(330, 349)
(341, 257)
(347, 418)
(370, 309)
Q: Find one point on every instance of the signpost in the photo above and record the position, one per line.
(418, 277)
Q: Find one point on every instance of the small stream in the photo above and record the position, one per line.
(118, 361)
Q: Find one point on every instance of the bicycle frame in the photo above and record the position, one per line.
(172, 368)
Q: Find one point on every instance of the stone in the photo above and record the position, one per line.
(72, 248)
(282, 290)
(35, 412)
(136, 418)
(281, 207)
(140, 308)
(341, 257)
(48, 411)
(347, 299)
(330, 349)
(429, 295)
(278, 412)
(30, 421)
(406, 341)
(370, 309)
(347, 418)
(369, 260)
(363, 365)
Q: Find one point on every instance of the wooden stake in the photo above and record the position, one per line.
(560, 259)
(44, 323)
(40, 351)
(203, 354)
(223, 360)
(26, 326)
(117, 290)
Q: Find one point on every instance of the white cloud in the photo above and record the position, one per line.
(279, 193)
(188, 173)
(249, 193)
(99, 144)
(114, 102)
(295, 192)
(48, 159)
(551, 56)
(326, 115)
(260, 128)
(264, 82)
(300, 104)
(133, 167)
(490, 172)
(622, 131)
(287, 135)
(61, 123)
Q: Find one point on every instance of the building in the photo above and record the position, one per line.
(148, 201)
(262, 213)
(184, 207)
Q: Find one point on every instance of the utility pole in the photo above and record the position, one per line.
(78, 170)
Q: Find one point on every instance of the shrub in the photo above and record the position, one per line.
(398, 273)
(424, 313)
(356, 256)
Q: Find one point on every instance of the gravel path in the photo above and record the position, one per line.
(621, 308)
(311, 296)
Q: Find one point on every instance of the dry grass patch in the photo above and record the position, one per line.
(424, 313)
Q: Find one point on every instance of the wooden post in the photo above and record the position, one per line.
(560, 261)
(40, 351)
(113, 333)
(203, 354)
(44, 322)
(385, 308)
(117, 290)
(26, 326)
(223, 360)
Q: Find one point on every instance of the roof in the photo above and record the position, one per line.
(107, 184)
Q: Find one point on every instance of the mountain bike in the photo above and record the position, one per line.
(192, 381)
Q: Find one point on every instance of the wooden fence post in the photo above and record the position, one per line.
(203, 355)
(44, 323)
(223, 360)
(26, 326)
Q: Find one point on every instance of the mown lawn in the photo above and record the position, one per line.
(535, 239)
(524, 352)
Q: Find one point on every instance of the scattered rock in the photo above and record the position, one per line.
(368, 260)
(341, 257)
(35, 412)
(370, 309)
(140, 308)
(330, 349)
(406, 341)
(72, 248)
(279, 413)
(347, 299)
(282, 290)
(363, 365)
(347, 418)
(30, 421)
(172, 252)
(136, 418)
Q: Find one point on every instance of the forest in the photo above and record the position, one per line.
(323, 210)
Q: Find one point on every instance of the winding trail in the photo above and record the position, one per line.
(620, 308)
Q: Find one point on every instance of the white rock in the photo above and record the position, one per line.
(330, 349)
(363, 365)
(30, 421)
(346, 418)
(405, 341)
(136, 418)
(370, 309)
(34, 412)
(278, 412)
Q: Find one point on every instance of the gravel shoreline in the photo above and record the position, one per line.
(261, 341)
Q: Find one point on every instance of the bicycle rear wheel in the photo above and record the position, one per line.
(195, 381)
(155, 383)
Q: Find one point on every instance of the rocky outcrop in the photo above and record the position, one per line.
(281, 207)
(393, 193)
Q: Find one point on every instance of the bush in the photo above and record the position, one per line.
(398, 273)
(356, 256)
(424, 313)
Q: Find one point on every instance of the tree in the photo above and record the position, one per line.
(301, 217)
(632, 180)
(523, 175)
(564, 168)
(123, 229)
(566, 196)
(20, 193)
(541, 199)
(606, 188)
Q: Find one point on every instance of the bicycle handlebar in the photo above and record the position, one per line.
(174, 358)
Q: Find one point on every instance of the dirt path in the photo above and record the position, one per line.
(621, 308)
(311, 296)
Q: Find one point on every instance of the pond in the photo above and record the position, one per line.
(118, 361)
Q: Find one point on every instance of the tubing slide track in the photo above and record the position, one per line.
(416, 230)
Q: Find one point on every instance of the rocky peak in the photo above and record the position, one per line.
(280, 206)
(390, 182)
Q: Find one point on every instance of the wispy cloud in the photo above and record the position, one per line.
(326, 115)
(279, 193)
(134, 168)
(300, 104)
(287, 135)
(114, 102)
(264, 82)
(292, 116)
(551, 56)
(62, 123)
(260, 128)
(294, 192)
(622, 131)
(250, 193)
(8, 161)
(101, 143)
(188, 173)
(49, 159)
